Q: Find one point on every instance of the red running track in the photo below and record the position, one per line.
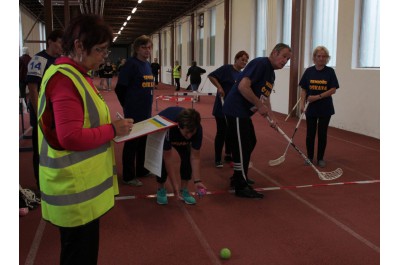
(301, 220)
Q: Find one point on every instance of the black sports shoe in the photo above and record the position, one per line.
(218, 164)
(248, 192)
(249, 181)
(228, 158)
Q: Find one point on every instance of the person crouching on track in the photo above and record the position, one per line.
(186, 139)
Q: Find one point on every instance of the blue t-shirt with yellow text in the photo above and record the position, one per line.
(174, 136)
(226, 76)
(136, 75)
(316, 82)
(262, 77)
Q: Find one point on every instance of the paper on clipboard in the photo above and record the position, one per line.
(151, 125)
(154, 152)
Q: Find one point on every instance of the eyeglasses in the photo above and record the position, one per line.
(104, 51)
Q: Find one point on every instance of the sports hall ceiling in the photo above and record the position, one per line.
(150, 16)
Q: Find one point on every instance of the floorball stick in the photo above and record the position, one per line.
(322, 175)
(293, 109)
(281, 159)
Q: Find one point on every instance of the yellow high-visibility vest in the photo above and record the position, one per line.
(176, 73)
(76, 186)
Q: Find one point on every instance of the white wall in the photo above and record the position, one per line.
(30, 31)
(356, 101)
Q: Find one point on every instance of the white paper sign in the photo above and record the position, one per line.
(154, 152)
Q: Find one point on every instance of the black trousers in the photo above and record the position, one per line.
(155, 78)
(133, 156)
(315, 124)
(221, 139)
(80, 245)
(178, 83)
(243, 141)
(35, 144)
(185, 168)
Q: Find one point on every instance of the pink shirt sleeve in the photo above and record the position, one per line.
(68, 117)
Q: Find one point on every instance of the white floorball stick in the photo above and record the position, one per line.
(293, 109)
(322, 175)
(281, 159)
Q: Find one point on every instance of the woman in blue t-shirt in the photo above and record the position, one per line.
(223, 79)
(318, 83)
(135, 93)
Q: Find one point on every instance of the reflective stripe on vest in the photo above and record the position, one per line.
(69, 159)
(69, 199)
(77, 186)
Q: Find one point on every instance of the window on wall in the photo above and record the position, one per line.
(179, 48)
(189, 44)
(42, 34)
(212, 35)
(287, 22)
(369, 55)
(21, 37)
(324, 26)
(201, 45)
(165, 49)
(261, 28)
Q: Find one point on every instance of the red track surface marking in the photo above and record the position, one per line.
(258, 189)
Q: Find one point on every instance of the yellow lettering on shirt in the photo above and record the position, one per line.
(264, 89)
(148, 81)
(179, 143)
(318, 85)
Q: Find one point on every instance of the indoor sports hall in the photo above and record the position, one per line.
(309, 214)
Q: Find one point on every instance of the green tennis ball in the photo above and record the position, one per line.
(225, 253)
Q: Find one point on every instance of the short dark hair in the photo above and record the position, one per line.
(189, 119)
(280, 46)
(89, 29)
(139, 41)
(240, 54)
(54, 36)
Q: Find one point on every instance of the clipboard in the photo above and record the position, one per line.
(149, 126)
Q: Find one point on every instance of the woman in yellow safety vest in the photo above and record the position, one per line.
(177, 75)
(77, 170)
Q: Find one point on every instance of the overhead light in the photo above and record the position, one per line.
(140, 1)
(128, 18)
(119, 32)
(125, 23)
(134, 10)
(122, 28)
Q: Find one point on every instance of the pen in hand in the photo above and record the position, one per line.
(122, 126)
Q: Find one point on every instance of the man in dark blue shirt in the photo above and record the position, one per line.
(251, 94)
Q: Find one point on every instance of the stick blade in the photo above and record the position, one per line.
(331, 175)
(277, 161)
